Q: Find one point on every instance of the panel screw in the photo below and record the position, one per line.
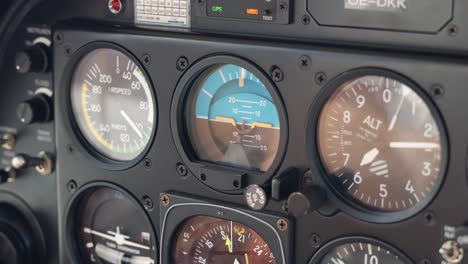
(424, 261)
(58, 38)
(320, 78)
(304, 62)
(201, 2)
(148, 163)
(182, 170)
(315, 240)
(429, 218)
(437, 91)
(453, 30)
(277, 74)
(305, 20)
(147, 59)
(72, 186)
(283, 6)
(68, 50)
(307, 180)
(70, 148)
(282, 225)
(182, 63)
(165, 200)
(147, 203)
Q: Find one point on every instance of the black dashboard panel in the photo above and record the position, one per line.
(209, 131)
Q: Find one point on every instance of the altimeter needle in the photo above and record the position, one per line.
(413, 145)
(369, 157)
(397, 113)
(117, 238)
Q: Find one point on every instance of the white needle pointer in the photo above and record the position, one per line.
(397, 113)
(117, 238)
(370, 156)
(414, 145)
(132, 124)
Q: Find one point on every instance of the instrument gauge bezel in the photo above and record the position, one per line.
(183, 208)
(71, 246)
(81, 143)
(205, 171)
(327, 247)
(338, 199)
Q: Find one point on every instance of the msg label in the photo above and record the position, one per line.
(377, 5)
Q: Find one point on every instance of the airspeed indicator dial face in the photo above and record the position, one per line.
(113, 104)
(381, 143)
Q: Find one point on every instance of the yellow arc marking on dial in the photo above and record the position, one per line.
(227, 120)
(87, 118)
(264, 125)
(246, 258)
(229, 244)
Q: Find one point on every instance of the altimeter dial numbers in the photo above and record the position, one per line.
(381, 143)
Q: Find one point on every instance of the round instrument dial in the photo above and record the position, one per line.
(382, 143)
(361, 250)
(113, 104)
(232, 118)
(110, 227)
(210, 240)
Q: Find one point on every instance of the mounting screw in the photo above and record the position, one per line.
(147, 59)
(68, 50)
(320, 78)
(148, 163)
(304, 62)
(70, 148)
(283, 6)
(203, 177)
(307, 180)
(453, 30)
(424, 261)
(429, 218)
(147, 203)
(165, 200)
(437, 91)
(315, 240)
(58, 37)
(72, 186)
(277, 74)
(182, 63)
(182, 170)
(201, 2)
(305, 19)
(282, 224)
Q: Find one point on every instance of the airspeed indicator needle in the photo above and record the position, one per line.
(132, 124)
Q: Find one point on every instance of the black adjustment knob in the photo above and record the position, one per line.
(35, 110)
(7, 175)
(34, 59)
(304, 202)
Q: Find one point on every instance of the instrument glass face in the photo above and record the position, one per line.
(111, 229)
(210, 240)
(381, 144)
(362, 252)
(113, 104)
(232, 119)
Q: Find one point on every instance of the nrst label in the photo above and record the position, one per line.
(377, 5)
